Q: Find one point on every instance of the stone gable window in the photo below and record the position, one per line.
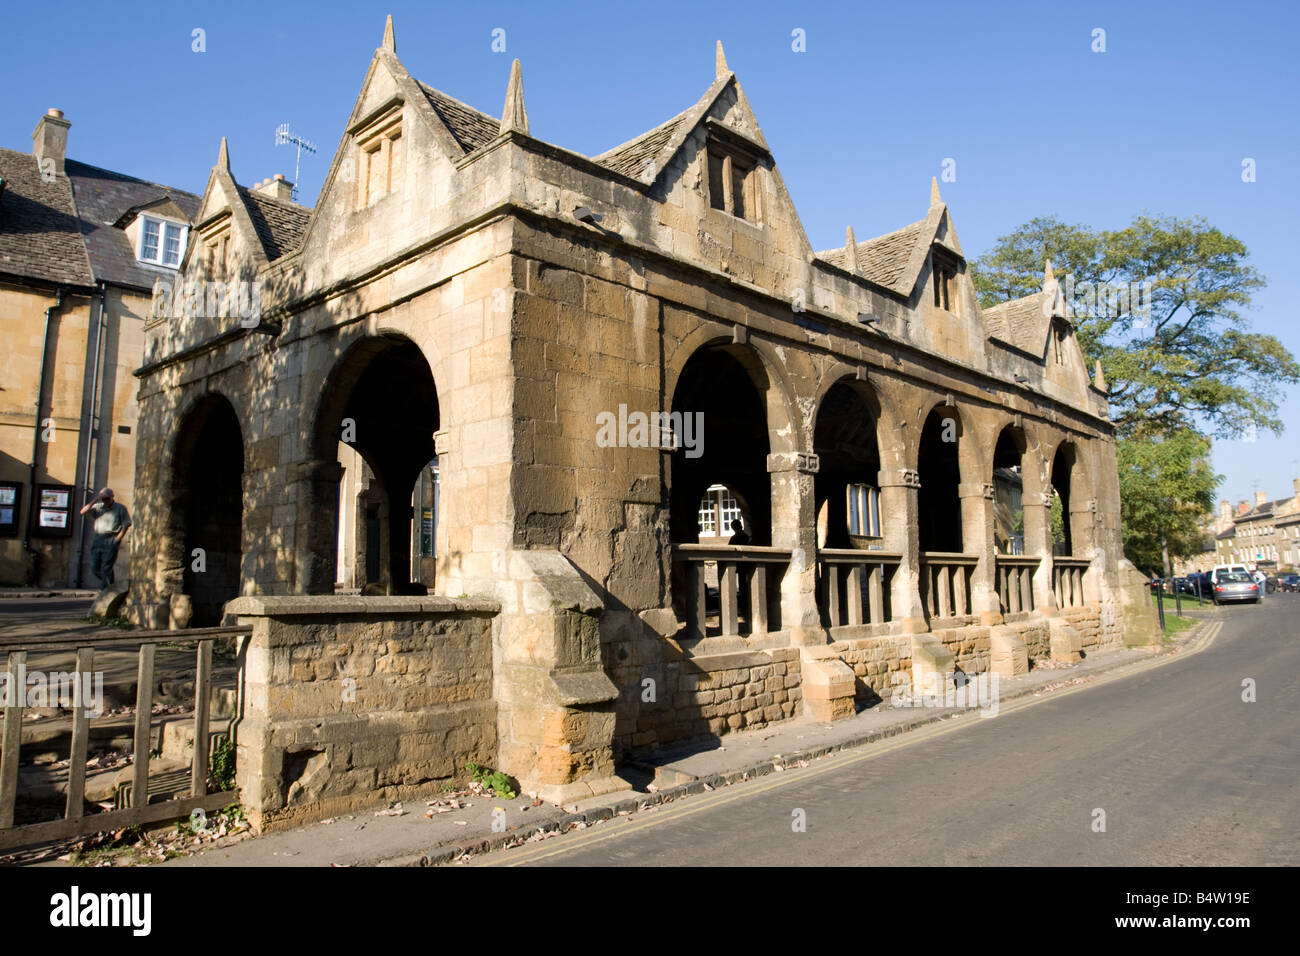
(733, 182)
(381, 159)
(944, 281)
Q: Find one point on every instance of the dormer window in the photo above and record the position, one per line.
(944, 281)
(381, 159)
(733, 166)
(161, 242)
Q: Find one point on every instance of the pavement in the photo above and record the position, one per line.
(29, 593)
(407, 837)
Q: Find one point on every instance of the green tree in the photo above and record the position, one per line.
(1166, 487)
(1160, 303)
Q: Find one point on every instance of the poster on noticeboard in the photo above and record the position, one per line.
(52, 514)
(11, 499)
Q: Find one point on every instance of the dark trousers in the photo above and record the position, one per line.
(103, 555)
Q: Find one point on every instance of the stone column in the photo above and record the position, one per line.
(977, 538)
(794, 526)
(899, 515)
(316, 537)
(1038, 541)
(1083, 518)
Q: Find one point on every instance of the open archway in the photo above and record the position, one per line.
(723, 387)
(377, 419)
(938, 466)
(1008, 491)
(207, 506)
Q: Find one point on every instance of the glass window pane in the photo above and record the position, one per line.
(171, 244)
(150, 250)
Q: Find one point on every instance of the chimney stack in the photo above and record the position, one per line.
(1243, 507)
(1260, 498)
(50, 141)
(1225, 509)
(277, 188)
(1295, 484)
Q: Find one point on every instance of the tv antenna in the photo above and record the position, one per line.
(283, 137)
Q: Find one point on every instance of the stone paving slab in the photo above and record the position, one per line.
(361, 839)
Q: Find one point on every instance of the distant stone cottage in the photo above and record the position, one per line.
(412, 412)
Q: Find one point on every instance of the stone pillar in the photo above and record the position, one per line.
(1083, 518)
(899, 515)
(316, 535)
(977, 538)
(1038, 541)
(794, 526)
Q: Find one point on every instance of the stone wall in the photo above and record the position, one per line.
(875, 662)
(350, 701)
(708, 696)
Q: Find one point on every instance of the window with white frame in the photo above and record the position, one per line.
(863, 507)
(718, 509)
(161, 242)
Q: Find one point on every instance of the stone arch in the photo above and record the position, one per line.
(1008, 473)
(846, 431)
(941, 467)
(202, 553)
(379, 398)
(766, 369)
(727, 385)
(1069, 477)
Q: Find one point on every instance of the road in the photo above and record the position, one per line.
(1185, 771)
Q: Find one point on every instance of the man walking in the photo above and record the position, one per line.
(111, 525)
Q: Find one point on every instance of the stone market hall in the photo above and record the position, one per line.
(390, 466)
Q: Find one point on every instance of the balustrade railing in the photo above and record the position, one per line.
(945, 582)
(1067, 580)
(747, 588)
(854, 585)
(1015, 582)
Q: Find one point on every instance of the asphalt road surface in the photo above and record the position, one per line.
(1185, 771)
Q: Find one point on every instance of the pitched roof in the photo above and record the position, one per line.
(40, 236)
(470, 128)
(631, 157)
(280, 225)
(1019, 322)
(102, 197)
(883, 260)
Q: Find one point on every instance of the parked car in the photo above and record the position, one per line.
(1234, 586)
(1289, 582)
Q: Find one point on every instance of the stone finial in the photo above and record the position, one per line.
(513, 114)
(223, 157)
(850, 250)
(720, 63)
(1099, 379)
(1048, 275)
(934, 191)
(390, 42)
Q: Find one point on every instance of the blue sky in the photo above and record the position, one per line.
(1038, 123)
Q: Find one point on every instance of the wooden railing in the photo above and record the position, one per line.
(755, 570)
(945, 582)
(855, 585)
(141, 811)
(1067, 580)
(1015, 582)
